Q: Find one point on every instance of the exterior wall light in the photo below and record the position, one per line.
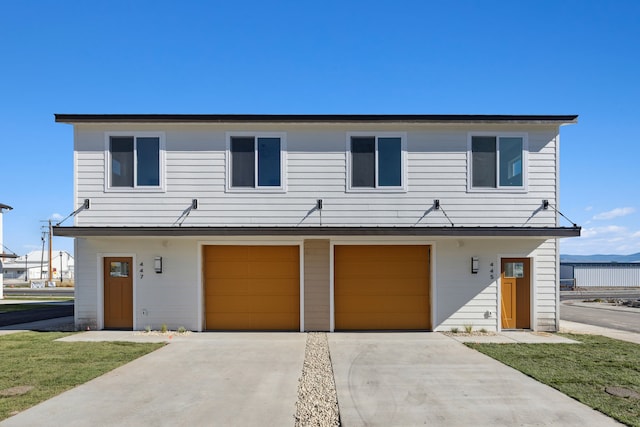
(157, 264)
(474, 265)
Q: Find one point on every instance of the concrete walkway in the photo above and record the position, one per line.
(581, 328)
(212, 379)
(512, 337)
(411, 379)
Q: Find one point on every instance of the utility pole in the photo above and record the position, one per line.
(42, 254)
(61, 267)
(50, 259)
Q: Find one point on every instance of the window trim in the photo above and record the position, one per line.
(403, 159)
(137, 189)
(282, 188)
(498, 189)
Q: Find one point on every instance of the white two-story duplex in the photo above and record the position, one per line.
(316, 222)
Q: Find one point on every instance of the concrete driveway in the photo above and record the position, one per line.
(411, 379)
(251, 379)
(212, 379)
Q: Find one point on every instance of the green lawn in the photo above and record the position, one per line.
(581, 371)
(35, 359)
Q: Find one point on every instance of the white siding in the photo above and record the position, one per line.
(545, 286)
(458, 298)
(463, 298)
(169, 298)
(86, 285)
(316, 168)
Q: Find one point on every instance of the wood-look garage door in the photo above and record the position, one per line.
(382, 287)
(252, 287)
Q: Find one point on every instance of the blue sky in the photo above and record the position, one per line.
(385, 57)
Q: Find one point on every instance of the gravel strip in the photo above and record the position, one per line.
(317, 399)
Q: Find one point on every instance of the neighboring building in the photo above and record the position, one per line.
(316, 222)
(3, 256)
(600, 274)
(35, 266)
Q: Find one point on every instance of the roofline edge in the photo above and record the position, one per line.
(546, 232)
(306, 118)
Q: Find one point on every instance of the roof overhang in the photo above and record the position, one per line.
(536, 232)
(314, 118)
(3, 206)
(8, 256)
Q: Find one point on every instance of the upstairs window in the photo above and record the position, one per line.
(376, 162)
(134, 161)
(497, 162)
(256, 162)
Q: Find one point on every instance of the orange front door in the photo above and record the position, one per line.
(118, 293)
(515, 289)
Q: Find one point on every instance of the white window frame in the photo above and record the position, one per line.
(256, 188)
(403, 158)
(108, 188)
(498, 189)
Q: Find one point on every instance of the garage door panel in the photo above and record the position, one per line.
(237, 269)
(230, 287)
(385, 252)
(226, 304)
(227, 269)
(386, 321)
(254, 304)
(252, 287)
(227, 253)
(389, 304)
(230, 321)
(272, 253)
(275, 268)
(381, 287)
(367, 286)
(274, 286)
(385, 267)
(275, 304)
(252, 321)
(278, 321)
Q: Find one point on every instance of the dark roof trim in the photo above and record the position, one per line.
(7, 256)
(307, 118)
(7, 207)
(546, 232)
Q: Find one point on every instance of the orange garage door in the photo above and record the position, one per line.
(381, 287)
(252, 287)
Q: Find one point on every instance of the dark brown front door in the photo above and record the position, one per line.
(118, 292)
(515, 290)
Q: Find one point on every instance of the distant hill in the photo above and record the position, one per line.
(600, 258)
